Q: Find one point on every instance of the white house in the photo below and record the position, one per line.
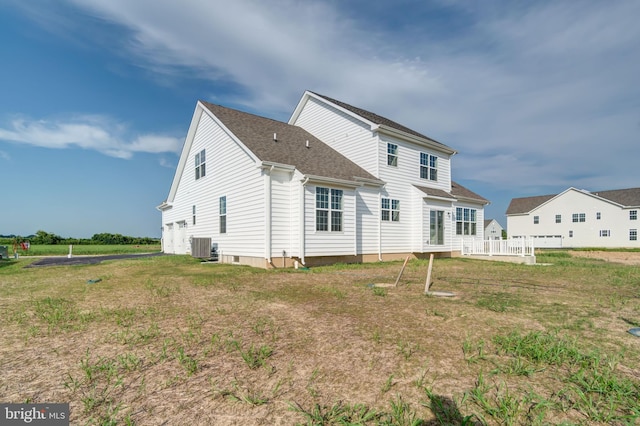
(577, 218)
(336, 183)
(492, 230)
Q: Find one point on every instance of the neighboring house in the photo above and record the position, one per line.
(336, 183)
(577, 218)
(492, 230)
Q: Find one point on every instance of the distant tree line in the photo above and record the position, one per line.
(47, 238)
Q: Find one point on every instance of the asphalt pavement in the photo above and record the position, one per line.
(85, 260)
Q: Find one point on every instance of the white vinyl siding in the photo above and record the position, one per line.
(245, 203)
(283, 218)
(323, 243)
(368, 220)
(347, 135)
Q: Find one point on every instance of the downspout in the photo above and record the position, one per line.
(380, 226)
(267, 216)
(302, 214)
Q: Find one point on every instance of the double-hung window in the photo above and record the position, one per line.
(633, 214)
(558, 218)
(579, 217)
(329, 209)
(465, 221)
(223, 214)
(390, 210)
(428, 166)
(200, 164)
(633, 235)
(193, 215)
(392, 155)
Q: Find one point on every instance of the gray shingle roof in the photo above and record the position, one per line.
(625, 197)
(526, 204)
(457, 191)
(377, 119)
(256, 133)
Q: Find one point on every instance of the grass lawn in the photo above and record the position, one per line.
(167, 340)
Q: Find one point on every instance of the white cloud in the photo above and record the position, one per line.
(534, 94)
(88, 132)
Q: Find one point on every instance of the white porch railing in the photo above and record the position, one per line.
(510, 247)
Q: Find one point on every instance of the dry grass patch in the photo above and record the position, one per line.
(168, 339)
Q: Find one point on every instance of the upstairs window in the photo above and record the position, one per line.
(465, 221)
(200, 165)
(428, 166)
(633, 214)
(579, 217)
(390, 210)
(223, 215)
(558, 218)
(329, 203)
(598, 216)
(392, 155)
(536, 220)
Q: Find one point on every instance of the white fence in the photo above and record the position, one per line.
(510, 247)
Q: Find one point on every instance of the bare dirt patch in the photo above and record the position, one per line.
(167, 340)
(624, 257)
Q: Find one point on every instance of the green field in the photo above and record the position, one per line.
(169, 340)
(84, 249)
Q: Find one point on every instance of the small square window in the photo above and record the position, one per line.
(570, 234)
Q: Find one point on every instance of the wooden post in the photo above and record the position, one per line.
(428, 282)
(401, 271)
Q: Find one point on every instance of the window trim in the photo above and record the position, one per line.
(466, 219)
(392, 154)
(200, 164)
(329, 211)
(222, 214)
(389, 210)
(536, 220)
(428, 166)
(633, 214)
(578, 217)
(633, 235)
(558, 218)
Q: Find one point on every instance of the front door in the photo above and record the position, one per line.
(437, 227)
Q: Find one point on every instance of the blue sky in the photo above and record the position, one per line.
(96, 96)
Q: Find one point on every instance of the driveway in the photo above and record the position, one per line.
(85, 260)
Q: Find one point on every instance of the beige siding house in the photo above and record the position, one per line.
(335, 183)
(577, 218)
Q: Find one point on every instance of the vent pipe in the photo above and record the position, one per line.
(307, 143)
(275, 137)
